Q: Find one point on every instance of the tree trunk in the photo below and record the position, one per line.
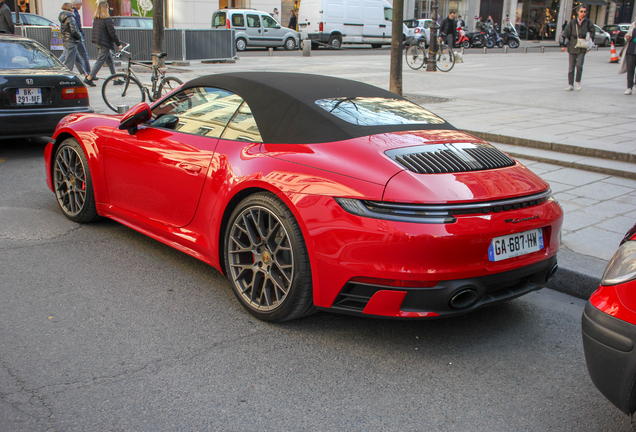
(395, 80)
(157, 32)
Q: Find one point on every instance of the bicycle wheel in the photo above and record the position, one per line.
(120, 90)
(168, 84)
(415, 57)
(445, 59)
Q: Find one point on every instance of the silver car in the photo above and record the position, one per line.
(254, 28)
(601, 37)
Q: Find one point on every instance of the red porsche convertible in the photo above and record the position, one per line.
(609, 328)
(313, 192)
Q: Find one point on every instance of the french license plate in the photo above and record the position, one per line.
(28, 96)
(515, 245)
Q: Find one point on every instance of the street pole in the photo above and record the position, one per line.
(431, 65)
(395, 80)
(158, 33)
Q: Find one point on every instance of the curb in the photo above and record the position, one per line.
(578, 275)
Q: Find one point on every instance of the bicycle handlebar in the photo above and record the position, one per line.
(124, 46)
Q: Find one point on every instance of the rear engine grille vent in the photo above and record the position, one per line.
(450, 158)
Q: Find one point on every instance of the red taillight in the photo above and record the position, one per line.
(393, 282)
(228, 23)
(417, 30)
(320, 27)
(74, 93)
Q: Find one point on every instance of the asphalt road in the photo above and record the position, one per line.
(102, 328)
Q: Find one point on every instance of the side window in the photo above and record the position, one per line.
(200, 111)
(238, 20)
(388, 14)
(253, 21)
(36, 20)
(125, 22)
(145, 23)
(218, 19)
(243, 126)
(269, 22)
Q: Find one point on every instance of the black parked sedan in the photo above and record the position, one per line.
(37, 90)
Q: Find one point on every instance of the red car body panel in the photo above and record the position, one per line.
(179, 189)
(618, 301)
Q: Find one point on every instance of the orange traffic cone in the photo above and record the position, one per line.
(613, 55)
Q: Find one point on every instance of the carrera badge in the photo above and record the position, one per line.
(514, 221)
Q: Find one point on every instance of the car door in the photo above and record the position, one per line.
(272, 32)
(254, 30)
(158, 173)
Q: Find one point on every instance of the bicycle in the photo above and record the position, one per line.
(126, 89)
(416, 56)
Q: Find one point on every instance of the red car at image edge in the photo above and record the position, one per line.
(315, 193)
(609, 328)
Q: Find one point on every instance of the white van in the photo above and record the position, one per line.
(335, 22)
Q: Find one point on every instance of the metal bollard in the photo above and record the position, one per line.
(542, 49)
(525, 50)
(122, 109)
(271, 51)
(306, 48)
(506, 49)
(485, 50)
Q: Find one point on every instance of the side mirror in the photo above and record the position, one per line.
(138, 114)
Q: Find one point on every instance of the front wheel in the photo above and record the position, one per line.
(445, 59)
(266, 260)
(121, 90)
(168, 84)
(466, 44)
(415, 57)
(606, 42)
(500, 44)
(290, 44)
(490, 43)
(72, 182)
(512, 43)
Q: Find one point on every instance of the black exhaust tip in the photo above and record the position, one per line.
(463, 298)
(551, 273)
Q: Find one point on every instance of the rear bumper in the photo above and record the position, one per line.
(20, 123)
(608, 344)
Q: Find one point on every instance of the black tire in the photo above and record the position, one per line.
(72, 182)
(500, 44)
(445, 59)
(267, 261)
(415, 57)
(129, 93)
(290, 44)
(512, 43)
(606, 42)
(168, 84)
(241, 44)
(335, 41)
(466, 44)
(490, 43)
(376, 46)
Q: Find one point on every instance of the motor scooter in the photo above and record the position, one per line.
(476, 39)
(510, 36)
(462, 40)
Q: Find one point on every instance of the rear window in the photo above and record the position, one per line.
(363, 111)
(410, 24)
(218, 19)
(26, 55)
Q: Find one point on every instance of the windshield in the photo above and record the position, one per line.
(378, 111)
(26, 55)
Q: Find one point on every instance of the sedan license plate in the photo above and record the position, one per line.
(28, 96)
(514, 245)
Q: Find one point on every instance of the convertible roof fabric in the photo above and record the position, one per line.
(284, 105)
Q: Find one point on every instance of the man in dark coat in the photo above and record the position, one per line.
(448, 28)
(577, 29)
(70, 36)
(6, 22)
(82, 54)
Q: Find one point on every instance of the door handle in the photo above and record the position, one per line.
(193, 169)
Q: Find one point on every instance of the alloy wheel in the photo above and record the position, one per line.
(70, 181)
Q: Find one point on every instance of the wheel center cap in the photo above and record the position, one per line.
(266, 257)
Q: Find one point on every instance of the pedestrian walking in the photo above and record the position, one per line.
(276, 15)
(573, 37)
(448, 29)
(104, 36)
(6, 22)
(70, 37)
(630, 57)
(82, 54)
(293, 20)
(460, 22)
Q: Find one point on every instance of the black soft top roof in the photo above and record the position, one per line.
(284, 105)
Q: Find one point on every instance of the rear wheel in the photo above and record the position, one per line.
(241, 44)
(490, 43)
(512, 43)
(266, 260)
(376, 46)
(466, 44)
(119, 90)
(168, 84)
(72, 182)
(415, 57)
(335, 41)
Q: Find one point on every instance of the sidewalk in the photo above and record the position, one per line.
(518, 102)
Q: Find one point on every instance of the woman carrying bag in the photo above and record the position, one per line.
(104, 37)
(578, 45)
(628, 62)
